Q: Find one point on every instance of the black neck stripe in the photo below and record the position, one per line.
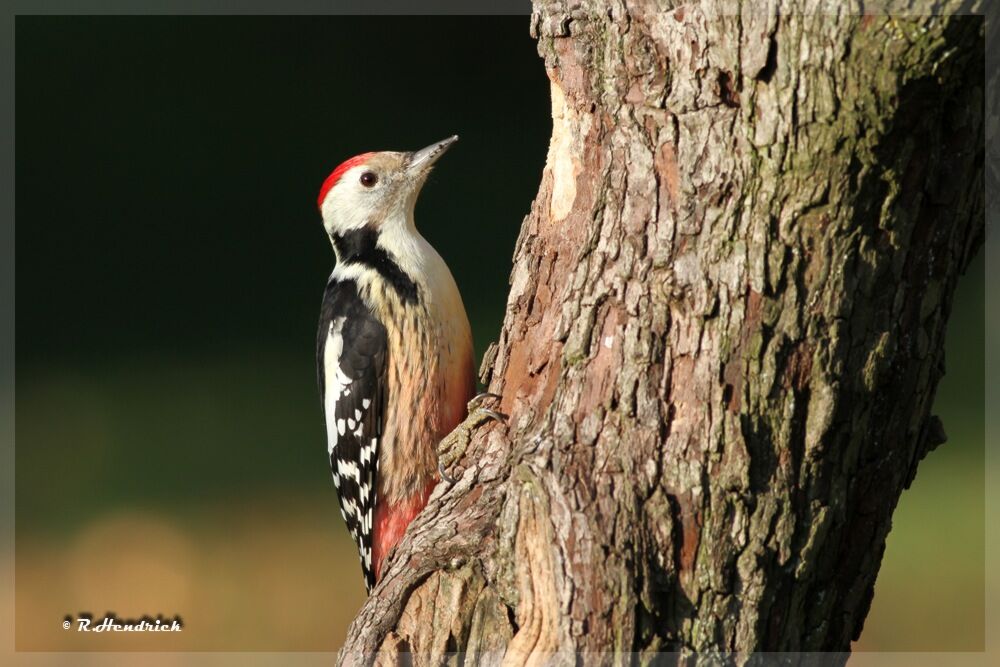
(358, 246)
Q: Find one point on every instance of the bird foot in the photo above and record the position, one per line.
(452, 448)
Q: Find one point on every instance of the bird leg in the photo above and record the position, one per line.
(453, 446)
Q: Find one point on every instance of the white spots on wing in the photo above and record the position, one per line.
(354, 462)
(368, 522)
(349, 469)
(360, 526)
(338, 387)
(609, 341)
(350, 507)
(337, 383)
(331, 431)
(368, 452)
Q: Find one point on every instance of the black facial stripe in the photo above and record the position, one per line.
(358, 246)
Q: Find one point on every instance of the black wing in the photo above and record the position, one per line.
(351, 350)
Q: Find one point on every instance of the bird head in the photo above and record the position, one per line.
(375, 190)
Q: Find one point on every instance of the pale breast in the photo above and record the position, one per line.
(430, 379)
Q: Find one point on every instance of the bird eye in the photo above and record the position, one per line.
(368, 179)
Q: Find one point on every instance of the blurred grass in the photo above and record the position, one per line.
(930, 594)
(254, 574)
(197, 488)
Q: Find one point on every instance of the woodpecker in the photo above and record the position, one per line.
(394, 348)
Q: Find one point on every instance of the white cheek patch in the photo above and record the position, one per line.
(349, 204)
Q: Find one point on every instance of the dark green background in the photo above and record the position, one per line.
(170, 262)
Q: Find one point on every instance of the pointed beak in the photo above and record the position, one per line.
(422, 160)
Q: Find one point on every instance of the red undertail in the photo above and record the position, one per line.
(391, 522)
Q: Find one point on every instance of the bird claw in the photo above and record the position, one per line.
(477, 400)
(451, 449)
(444, 475)
(491, 414)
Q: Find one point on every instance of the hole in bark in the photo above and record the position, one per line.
(511, 619)
(770, 63)
(759, 439)
(666, 422)
(727, 91)
(727, 394)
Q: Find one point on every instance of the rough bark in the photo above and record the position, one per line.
(722, 341)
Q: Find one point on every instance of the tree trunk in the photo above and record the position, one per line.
(722, 341)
